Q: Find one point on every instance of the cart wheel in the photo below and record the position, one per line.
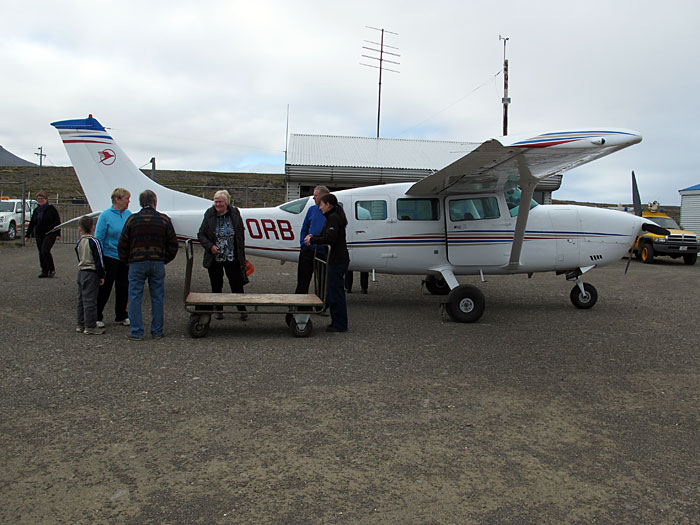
(288, 319)
(298, 332)
(196, 327)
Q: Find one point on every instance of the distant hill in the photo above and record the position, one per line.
(9, 159)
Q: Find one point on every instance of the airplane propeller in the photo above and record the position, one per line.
(647, 227)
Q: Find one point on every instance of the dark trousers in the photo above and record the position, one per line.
(336, 295)
(117, 274)
(234, 275)
(364, 280)
(305, 269)
(88, 283)
(44, 243)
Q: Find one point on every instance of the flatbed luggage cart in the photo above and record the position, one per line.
(296, 307)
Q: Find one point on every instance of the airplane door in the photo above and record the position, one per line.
(367, 232)
(477, 232)
(565, 222)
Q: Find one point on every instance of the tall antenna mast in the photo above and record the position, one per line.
(506, 98)
(381, 59)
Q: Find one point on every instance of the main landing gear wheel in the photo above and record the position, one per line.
(584, 300)
(198, 325)
(436, 285)
(299, 332)
(465, 304)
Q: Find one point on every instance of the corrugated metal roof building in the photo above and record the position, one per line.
(346, 162)
(690, 208)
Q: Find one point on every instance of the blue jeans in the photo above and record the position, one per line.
(139, 272)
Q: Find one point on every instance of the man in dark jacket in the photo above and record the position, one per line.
(147, 243)
(44, 219)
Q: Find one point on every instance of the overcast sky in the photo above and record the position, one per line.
(206, 85)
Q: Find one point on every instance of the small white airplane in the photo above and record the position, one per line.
(465, 219)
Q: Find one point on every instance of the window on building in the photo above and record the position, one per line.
(418, 209)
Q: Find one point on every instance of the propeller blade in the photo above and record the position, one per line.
(655, 228)
(629, 260)
(636, 201)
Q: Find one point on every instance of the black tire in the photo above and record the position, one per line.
(298, 332)
(690, 258)
(11, 232)
(196, 327)
(436, 285)
(584, 301)
(647, 253)
(465, 304)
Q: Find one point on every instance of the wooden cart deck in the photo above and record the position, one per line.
(296, 307)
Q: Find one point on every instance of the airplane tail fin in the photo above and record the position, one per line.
(101, 166)
(636, 201)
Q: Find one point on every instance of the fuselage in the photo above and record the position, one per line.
(470, 234)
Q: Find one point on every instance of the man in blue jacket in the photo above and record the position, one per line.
(313, 224)
(109, 228)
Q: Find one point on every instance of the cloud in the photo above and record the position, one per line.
(206, 85)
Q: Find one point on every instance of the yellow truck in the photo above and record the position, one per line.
(679, 243)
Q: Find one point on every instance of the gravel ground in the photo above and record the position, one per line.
(539, 413)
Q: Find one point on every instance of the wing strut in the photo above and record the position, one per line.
(527, 187)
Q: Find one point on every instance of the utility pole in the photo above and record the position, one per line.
(41, 156)
(381, 61)
(506, 98)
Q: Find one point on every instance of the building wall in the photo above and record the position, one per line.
(690, 211)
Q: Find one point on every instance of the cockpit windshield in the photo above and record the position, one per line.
(512, 194)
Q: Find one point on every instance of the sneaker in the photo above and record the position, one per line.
(43, 275)
(80, 329)
(159, 336)
(134, 337)
(364, 291)
(100, 324)
(124, 322)
(94, 331)
(51, 274)
(331, 328)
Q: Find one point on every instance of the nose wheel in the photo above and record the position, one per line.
(583, 295)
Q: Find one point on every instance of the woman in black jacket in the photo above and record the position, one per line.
(333, 234)
(223, 238)
(44, 219)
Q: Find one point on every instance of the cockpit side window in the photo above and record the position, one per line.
(512, 194)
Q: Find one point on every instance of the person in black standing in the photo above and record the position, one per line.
(44, 219)
(333, 234)
(223, 238)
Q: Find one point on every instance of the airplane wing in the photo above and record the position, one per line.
(522, 160)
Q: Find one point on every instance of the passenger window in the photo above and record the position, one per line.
(474, 209)
(418, 209)
(370, 210)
